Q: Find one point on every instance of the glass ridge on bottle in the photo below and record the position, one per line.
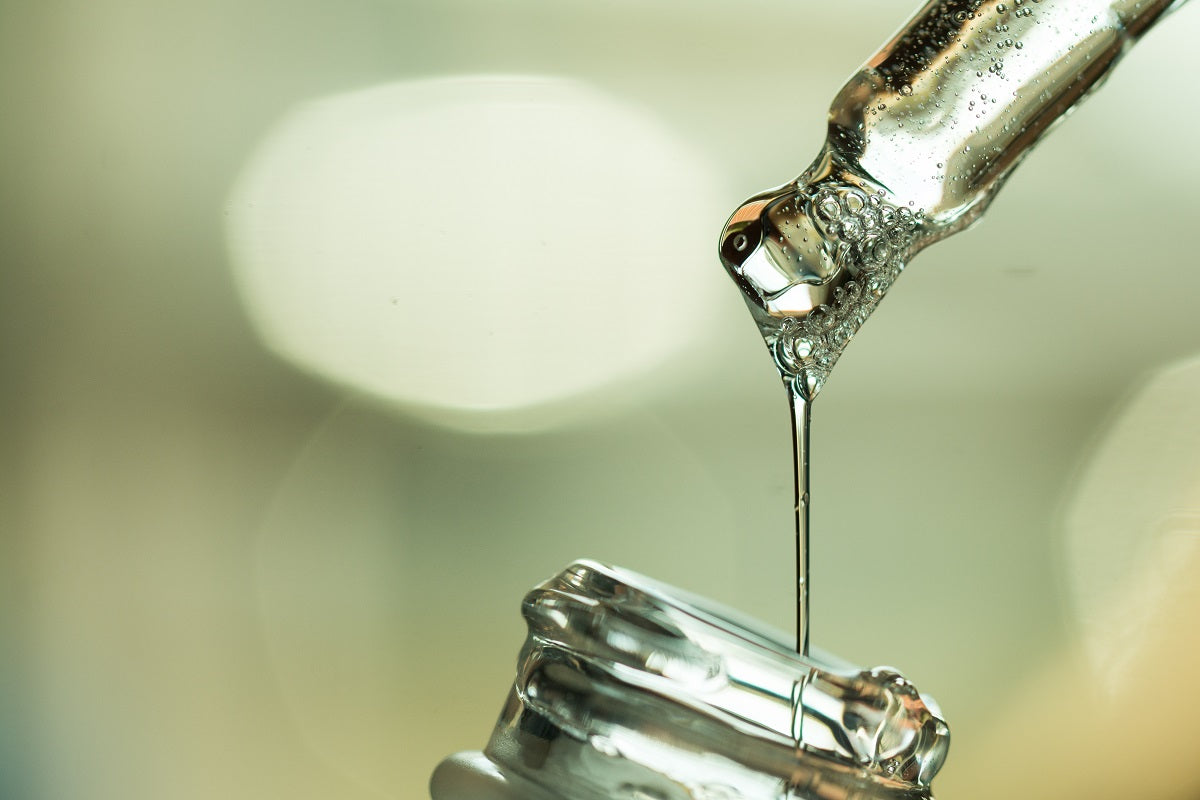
(627, 688)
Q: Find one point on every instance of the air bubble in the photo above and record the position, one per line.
(740, 241)
(906, 90)
(871, 218)
(852, 229)
(828, 207)
(876, 252)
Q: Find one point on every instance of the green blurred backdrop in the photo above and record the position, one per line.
(225, 574)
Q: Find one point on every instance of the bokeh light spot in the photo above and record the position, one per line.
(477, 248)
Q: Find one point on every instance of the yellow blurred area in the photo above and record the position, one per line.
(226, 575)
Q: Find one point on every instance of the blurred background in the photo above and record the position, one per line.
(330, 328)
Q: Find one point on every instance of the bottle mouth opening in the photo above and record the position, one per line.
(625, 684)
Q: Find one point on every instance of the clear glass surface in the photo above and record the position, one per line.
(919, 141)
(627, 688)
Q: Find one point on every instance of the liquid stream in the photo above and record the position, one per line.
(629, 689)
(918, 143)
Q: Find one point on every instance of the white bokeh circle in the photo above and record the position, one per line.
(477, 248)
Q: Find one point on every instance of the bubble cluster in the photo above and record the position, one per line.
(869, 239)
(868, 231)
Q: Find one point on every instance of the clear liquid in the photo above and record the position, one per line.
(629, 689)
(919, 141)
(801, 425)
(861, 241)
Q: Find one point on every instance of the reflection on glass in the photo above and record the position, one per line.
(627, 688)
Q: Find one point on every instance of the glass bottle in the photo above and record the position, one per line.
(627, 688)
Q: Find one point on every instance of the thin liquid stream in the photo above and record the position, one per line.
(801, 425)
